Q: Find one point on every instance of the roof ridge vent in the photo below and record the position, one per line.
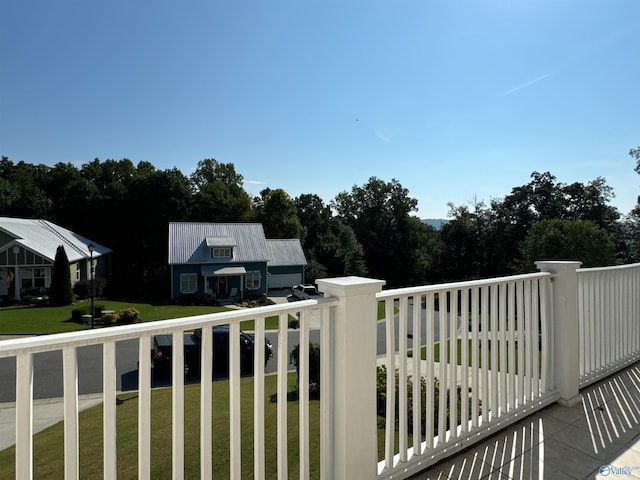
(53, 230)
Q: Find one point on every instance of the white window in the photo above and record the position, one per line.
(188, 282)
(34, 278)
(252, 280)
(221, 252)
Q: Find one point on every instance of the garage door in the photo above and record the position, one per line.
(284, 281)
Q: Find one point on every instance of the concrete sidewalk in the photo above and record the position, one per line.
(45, 414)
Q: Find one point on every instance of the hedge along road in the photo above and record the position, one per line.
(47, 377)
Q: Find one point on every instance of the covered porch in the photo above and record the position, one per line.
(224, 282)
(599, 437)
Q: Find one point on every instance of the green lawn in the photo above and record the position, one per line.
(34, 320)
(26, 320)
(436, 355)
(48, 444)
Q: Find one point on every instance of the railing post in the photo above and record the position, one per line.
(352, 403)
(566, 345)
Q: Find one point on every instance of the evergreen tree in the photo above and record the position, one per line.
(61, 293)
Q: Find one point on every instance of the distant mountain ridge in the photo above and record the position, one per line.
(435, 222)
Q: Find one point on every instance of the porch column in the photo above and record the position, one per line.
(353, 446)
(16, 278)
(566, 346)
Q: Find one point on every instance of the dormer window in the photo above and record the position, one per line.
(221, 252)
(221, 247)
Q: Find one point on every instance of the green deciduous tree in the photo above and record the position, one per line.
(635, 154)
(632, 224)
(394, 242)
(23, 190)
(277, 212)
(559, 239)
(331, 247)
(219, 194)
(467, 243)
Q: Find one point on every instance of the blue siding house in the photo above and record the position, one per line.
(227, 260)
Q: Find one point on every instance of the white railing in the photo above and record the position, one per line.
(511, 345)
(609, 315)
(24, 350)
(488, 341)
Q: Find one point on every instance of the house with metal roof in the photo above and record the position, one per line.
(223, 260)
(28, 250)
(286, 263)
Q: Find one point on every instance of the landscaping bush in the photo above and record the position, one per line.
(128, 316)
(189, 299)
(82, 288)
(294, 322)
(381, 387)
(314, 366)
(78, 312)
(110, 319)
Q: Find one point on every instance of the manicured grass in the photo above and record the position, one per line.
(271, 323)
(48, 445)
(436, 355)
(35, 320)
(25, 320)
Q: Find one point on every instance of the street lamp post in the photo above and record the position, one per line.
(91, 249)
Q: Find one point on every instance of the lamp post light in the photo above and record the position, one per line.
(91, 249)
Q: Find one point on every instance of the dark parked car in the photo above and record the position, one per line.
(163, 347)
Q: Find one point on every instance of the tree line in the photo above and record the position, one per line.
(370, 230)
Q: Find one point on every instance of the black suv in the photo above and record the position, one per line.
(163, 345)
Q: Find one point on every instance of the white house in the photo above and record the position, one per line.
(28, 249)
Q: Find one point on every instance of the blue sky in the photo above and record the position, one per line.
(455, 99)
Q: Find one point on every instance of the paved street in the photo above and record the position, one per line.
(48, 366)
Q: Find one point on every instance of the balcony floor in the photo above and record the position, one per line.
(597, 438)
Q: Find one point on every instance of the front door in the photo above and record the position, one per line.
(222, 286)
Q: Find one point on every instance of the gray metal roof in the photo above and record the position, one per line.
(188, 242)
(220, 242)
(43, 238)
(285, 252)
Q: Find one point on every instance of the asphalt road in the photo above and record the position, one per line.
(48, 382)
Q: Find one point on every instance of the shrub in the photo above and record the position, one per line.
(314, 366)
(294, 322)
(210, 299)
(78, 312)
(128, 316)
(109, 319)
(82, 288)
(382, 397)
(189, 299)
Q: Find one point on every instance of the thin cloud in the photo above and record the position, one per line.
(525, 85)
(255, 182)
(383, 137)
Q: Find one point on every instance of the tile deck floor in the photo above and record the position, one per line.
(599, 438)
